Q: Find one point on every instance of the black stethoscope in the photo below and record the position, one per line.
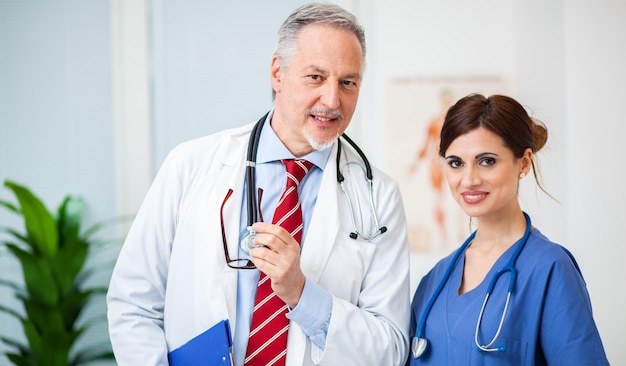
(420, 343)
(253, 205)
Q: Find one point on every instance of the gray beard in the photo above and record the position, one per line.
(320, 145)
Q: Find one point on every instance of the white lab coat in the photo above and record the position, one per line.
(171, 283)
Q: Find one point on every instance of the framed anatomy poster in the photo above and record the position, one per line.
(415, 108)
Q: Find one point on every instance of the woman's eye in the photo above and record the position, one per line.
(487, 161)
(454, 163)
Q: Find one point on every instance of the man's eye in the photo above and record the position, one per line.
(349, 83)
(315, 77)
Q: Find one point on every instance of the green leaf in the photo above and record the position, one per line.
(57, 348)
(69, 262)
(73, 306)
(38, 276)
(70, 215)
(50, 348)
(16, 287)
(15, 234)
(83, 277)
(40, 225)
(22, 348)
(12, 312)
(87, 357)
(34, 339)
(45, 319)
(20, 360)
(10, 206)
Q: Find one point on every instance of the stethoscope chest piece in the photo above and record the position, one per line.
(247, 241)
(418, 346)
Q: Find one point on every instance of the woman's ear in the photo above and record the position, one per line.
(526, 162)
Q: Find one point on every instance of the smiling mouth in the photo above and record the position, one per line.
(325, 115)
(473, 197)
(322, 119)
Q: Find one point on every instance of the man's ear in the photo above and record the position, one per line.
(276, 74)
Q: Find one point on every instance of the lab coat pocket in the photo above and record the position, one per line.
(347, 267)
(513, 355)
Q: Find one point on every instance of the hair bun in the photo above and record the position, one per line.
(540, 133)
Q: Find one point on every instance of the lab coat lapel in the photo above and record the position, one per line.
(321, 234)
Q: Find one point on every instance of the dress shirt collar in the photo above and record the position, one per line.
(272, 149)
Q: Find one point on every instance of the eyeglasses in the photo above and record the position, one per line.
(237, 263)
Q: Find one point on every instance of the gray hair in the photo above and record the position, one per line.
(314, 13)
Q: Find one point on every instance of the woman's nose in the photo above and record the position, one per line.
(470, 177)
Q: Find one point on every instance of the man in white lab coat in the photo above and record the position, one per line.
(346, 286)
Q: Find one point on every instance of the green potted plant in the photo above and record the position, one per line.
(52, 251)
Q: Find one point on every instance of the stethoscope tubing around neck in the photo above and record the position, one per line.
(253, 144)
(366, 162)
(378, 230)
(446, 276)
(252, 203)
(509, 267)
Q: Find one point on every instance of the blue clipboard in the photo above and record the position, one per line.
(207, 349)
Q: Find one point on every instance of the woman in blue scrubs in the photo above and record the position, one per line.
(488, 145)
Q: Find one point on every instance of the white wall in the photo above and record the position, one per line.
(594, 60)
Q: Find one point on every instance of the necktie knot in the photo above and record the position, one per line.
(296, 170)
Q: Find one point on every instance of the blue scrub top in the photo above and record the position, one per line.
(549, 320)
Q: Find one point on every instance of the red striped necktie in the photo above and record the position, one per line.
(267, 344)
